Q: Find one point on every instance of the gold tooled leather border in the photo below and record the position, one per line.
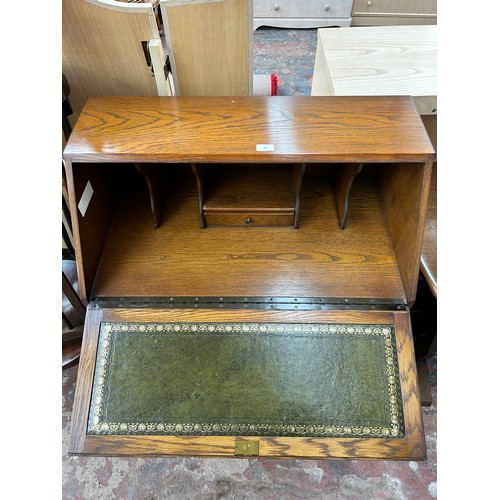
(97, 425)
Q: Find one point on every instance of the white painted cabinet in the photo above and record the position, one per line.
(302, 14)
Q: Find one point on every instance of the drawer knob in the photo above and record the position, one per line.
(276, 7)
(249, 221)
(369, 2)
(327, 7)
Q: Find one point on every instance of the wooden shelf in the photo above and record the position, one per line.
(252, 195)
(318, 260)
(251, 187)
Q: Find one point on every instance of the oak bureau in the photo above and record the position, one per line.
(248, 266)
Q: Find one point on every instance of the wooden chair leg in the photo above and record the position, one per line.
(73, 298)
(73, 329)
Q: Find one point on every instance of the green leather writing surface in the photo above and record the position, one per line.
(246, 379)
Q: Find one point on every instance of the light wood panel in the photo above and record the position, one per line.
(210, 45)
(390, 60)
(102, 52)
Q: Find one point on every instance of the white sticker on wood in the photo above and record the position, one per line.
(85, 199)
(265, 147)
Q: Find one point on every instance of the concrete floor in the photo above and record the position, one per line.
(290, 55)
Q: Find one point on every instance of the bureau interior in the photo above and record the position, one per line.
(121, 254)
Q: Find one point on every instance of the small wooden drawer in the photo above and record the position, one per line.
(249, 219)
(251, 195)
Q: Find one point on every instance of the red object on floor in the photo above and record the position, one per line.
(265, 84)
(274, 84)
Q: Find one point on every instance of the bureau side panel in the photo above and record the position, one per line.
(404, 189)
(92, 199)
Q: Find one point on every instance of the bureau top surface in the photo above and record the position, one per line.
(249, 129)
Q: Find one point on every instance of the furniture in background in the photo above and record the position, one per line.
(320, 14)
(210, 46)
(67, 234)
(73, 314)
(293, 14)
(73, 310)
(393, 12)
(424, 315)
(112, 48)
(179, 47)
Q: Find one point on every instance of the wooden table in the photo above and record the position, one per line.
(227, 271)
(382, 60)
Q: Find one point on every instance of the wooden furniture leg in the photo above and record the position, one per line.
(423, 375)
(423, 382)
(343, 180)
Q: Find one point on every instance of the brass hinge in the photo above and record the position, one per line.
(270, 303)
(246, 448)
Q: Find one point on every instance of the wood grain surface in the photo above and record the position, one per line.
(210, 45)
(404, 191)
(344, 178)
(317, 260)
(102, 52)
(380, 248)
(228, 129)
(120, 254)
(388, 60)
